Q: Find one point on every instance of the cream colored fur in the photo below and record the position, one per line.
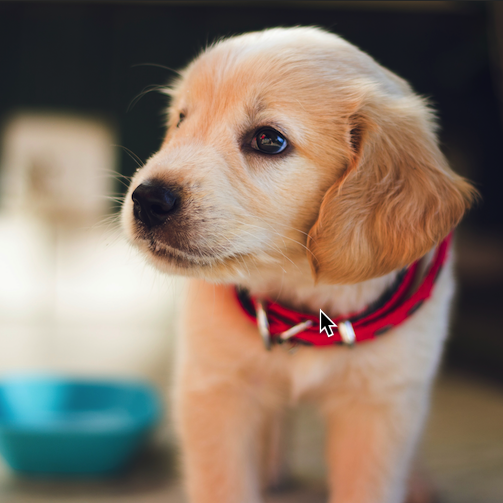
(362, 192)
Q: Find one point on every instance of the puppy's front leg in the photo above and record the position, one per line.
(370, 446)
(224, 391)
(219, 431)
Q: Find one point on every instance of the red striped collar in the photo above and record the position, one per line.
(275, 321)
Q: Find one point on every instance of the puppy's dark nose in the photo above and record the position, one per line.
(153, 202)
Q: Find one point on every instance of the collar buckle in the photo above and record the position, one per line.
(264, 328)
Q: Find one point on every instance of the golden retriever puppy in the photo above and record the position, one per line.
(298, 170)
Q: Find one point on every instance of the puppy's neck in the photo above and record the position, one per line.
(293, 286)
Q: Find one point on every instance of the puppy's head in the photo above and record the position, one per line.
(287, 146)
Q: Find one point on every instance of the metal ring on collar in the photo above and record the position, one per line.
(347, 332)
(263, 324)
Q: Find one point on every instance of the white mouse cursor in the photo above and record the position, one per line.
(326, 324)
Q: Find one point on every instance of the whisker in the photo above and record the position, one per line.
(146, 90)
(110, 223)
(157, 65)
(114, 199)
(131, 154)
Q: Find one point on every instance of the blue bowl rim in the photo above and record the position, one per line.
(147, 423)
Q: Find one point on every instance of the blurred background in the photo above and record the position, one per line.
(79, 111)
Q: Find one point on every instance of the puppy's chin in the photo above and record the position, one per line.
(170, 260)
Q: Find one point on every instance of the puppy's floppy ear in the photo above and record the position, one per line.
(396, 200)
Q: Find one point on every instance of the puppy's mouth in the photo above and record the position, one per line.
(189, 258)
(178, 257)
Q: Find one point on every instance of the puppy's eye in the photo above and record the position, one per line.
(180, 119)
(269, 141)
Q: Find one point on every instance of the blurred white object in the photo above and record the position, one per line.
(96, 310)
(74, 296)
(57, 166)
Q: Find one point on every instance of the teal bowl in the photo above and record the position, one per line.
(51, 425)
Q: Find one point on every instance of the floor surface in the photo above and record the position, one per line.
(462, 452)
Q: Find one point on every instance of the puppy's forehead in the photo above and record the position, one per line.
(226, 81)
(260, 70)
(279, 67)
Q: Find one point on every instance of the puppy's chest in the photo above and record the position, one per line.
(307, 372)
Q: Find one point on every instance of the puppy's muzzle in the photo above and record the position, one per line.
(153, 203)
